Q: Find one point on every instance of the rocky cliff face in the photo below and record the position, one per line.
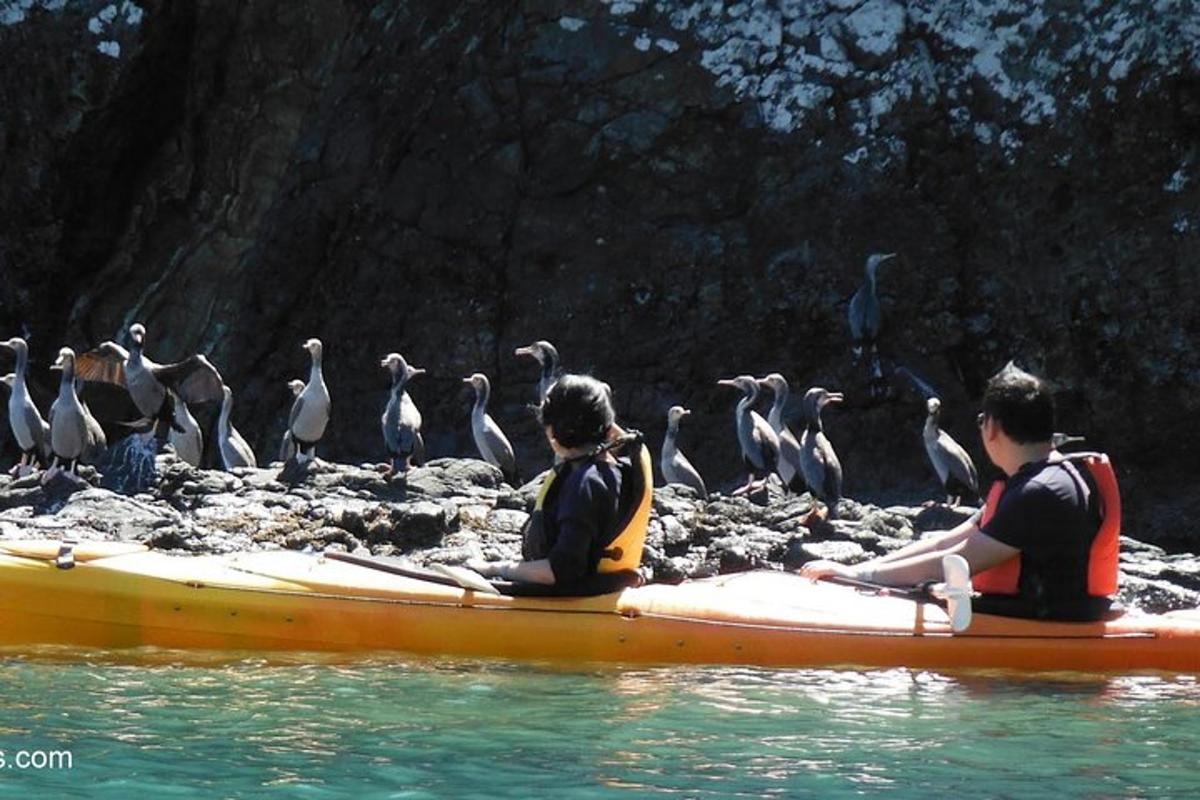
(672, 192)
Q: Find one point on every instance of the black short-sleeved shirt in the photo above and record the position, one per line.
(583, 520)
(1049, 510)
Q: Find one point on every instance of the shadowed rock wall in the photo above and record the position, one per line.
(671, 192)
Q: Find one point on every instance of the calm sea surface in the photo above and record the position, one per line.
(166, 727)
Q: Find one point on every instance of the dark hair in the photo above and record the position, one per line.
(579, 410)
(1021, 403)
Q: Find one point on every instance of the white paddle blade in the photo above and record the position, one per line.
(956, 591)
(466, 578)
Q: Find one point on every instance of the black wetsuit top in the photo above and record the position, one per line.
(1050, 512)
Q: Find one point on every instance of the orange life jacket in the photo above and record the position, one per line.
(1102, 559)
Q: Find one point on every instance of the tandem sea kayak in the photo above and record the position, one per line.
(116, 595)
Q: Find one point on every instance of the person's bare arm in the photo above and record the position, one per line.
(980, 550)
(523, 571)
(943, 540)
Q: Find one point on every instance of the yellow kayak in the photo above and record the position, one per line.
(115, 595)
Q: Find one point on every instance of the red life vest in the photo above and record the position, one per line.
(1102, 560)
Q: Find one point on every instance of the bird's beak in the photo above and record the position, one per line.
(468, 380)
(887, 256)
(686, 412)
(727, 382)
(835, 397)
(523, 351)
(413, 371)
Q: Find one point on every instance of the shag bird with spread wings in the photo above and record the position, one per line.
(150, 385)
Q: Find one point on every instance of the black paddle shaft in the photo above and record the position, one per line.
(919, 593)
(391, 567)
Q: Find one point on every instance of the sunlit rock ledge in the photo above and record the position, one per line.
(454, 509)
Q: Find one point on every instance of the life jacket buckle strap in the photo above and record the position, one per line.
(630, 436)
(614, 553)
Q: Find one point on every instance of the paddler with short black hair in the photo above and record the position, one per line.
(1045, 544)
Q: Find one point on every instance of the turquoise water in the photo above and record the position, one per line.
(422, 729)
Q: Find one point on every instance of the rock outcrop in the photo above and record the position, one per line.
(671, 191)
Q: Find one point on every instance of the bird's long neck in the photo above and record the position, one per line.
(314, 374)
(745, 405)
(931, 426)
(776, 415)
(22, 365)
(814, 419)
(226, 407)
(66, 387)
(672, 432)
(549, 368)
(482, 393)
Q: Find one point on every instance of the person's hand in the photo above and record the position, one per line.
(488, 569)
(821, 568)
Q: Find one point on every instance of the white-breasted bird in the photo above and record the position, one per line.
(287, 446)
(401, 418)
(234, 450)
(74, 433)
(675, 466)
(818, 461)
(758, 441)
(789, 447)
(493, 445)
(185, 435)
(31, 431)
(193, 379)
(954, 467)
(311, 408)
